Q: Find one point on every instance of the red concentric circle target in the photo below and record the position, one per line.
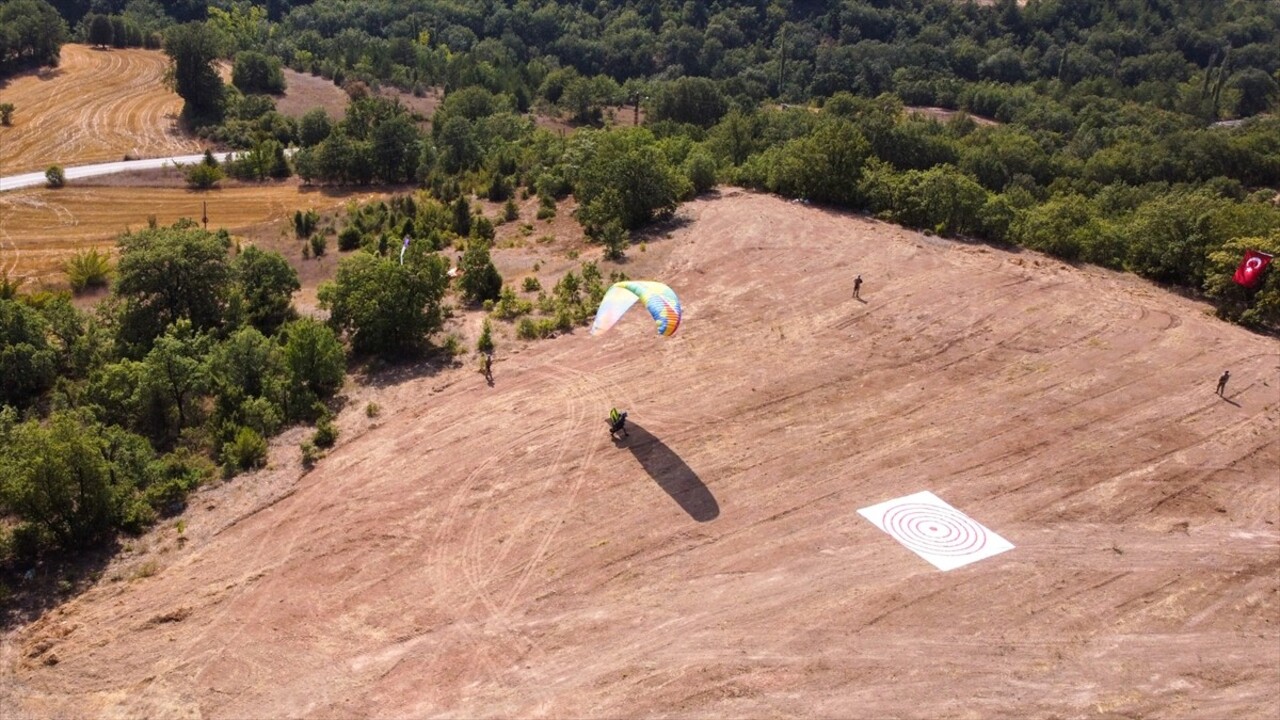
(934, 530)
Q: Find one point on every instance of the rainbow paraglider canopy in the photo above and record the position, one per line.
(658, 299)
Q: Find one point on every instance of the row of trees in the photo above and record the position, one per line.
(31, 35)
(110, 417)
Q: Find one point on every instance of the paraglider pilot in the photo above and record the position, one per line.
(617, 423)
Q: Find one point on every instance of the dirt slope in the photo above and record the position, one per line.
(482, 551)
(96, 106)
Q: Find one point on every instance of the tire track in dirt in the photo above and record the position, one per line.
(483, 566)
(97, 106)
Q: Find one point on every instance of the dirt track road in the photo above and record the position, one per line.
(488, 552)
(94, 107)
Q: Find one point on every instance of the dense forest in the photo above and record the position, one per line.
(1139, 135)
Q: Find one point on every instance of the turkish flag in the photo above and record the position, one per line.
(1249, 274)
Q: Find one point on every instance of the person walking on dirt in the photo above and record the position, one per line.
(486, 366)
(857, 287)
(1222, 381)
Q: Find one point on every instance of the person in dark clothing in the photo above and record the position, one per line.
(857, 287)
(1222, 381)
(617, 423)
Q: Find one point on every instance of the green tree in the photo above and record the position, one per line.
(55, 176)
(167, 274)
(695, 100)
(623, 176)
(28, 363)
(56, 478)
(267, 283)
(825, 165)
(178, 370)
(192, 48)
(1257, 307)
(386, 308)
(315, 358)
(395, 147)
(249, 380)
(314, 127)
(99, 30)
(480, 279)
(254, 72)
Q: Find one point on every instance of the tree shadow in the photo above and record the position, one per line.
(33, 587)
(671, 473)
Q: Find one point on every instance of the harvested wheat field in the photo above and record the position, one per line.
(40, 229)
(488, 551)
(96, 106)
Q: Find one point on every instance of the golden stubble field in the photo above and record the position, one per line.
(96, 106)
(40, 229)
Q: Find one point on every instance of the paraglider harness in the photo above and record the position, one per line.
(617, 423)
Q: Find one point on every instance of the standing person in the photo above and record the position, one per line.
(1222, 381)
(487, 366)
(857, 287)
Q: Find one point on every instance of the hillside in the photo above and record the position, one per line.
(487, 551)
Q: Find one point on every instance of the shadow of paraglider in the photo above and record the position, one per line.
(671, 473)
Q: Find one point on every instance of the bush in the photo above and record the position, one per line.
(203, 176)
(326, 434)
(349, 239)
(248, 450)
(88, 268)
(304, 224)
(310, 455)
(55, 177)
(510, 211)
(531, 284)
(318, 245)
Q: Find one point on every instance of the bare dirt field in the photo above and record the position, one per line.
(487, 551)
(303, 92)
(96, 106)
(41, 228)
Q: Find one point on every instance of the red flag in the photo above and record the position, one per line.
(1249, 274)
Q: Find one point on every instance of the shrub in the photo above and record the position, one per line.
(531, 284)
(372, 410)
(509, 306)
(55, 177)
(310, 455)
(318, 245)
(349, 239)
(248, 450)
(88, 268)
(203, 176)
(326, 434)
(304, 224)
(484, 345)
(510, 211)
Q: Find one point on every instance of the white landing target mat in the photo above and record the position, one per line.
(935, 531)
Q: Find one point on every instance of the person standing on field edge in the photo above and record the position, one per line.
(1222, 381)
(857, 287)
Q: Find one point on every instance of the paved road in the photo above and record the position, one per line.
(32, 179)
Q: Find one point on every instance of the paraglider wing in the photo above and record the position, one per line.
(658, 299)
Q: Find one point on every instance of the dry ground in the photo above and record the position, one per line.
(40, 229)
(96, 106)
(487, 551)
(304, 92)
